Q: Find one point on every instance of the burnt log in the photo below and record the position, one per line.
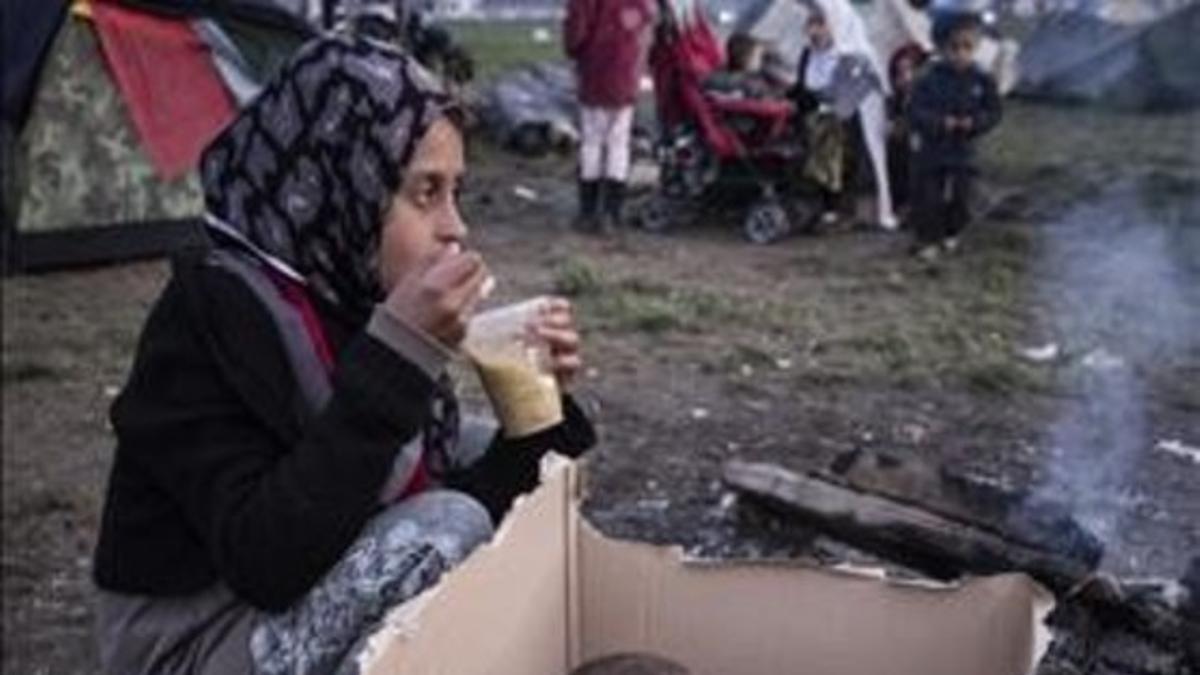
(945, 547)
(988, 502)
(937, 545)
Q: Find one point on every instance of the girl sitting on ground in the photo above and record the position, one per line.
(290, 459)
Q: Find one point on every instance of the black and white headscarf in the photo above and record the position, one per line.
(305, 174)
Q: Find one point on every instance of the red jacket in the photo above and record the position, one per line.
(608, 41)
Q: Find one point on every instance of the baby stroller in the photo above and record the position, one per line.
(714, 147)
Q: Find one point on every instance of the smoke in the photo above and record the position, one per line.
(1119, 276)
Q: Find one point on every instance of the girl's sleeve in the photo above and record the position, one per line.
(510, 466)
(273, 516)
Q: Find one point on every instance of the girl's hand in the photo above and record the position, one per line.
(556, 326)
(440, 296)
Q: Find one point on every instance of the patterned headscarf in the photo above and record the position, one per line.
(305, 174)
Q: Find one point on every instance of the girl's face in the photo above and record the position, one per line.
(423, 218)
(819, 35)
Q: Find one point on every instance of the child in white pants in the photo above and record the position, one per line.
(603, 165)
(608, 41)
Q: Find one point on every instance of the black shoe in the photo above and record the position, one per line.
(589, 206)
(612, 205)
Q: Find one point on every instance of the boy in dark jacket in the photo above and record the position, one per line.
(953, 105)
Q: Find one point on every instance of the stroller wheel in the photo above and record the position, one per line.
(766, 222)
(654, 215)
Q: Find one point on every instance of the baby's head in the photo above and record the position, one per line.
(745, 53)
(631, 664)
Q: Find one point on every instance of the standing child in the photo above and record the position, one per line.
(953, 105)
(608, 40)
(825, 163)
(905, 63)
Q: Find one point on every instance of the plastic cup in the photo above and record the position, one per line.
(514, 366)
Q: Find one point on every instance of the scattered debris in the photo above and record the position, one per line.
(1103, 360)
(1041, 354)
(728, 501)
(914, 433)
(525, 193)
(1179, 449)
(659, 504)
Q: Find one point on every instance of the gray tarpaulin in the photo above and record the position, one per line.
(1082, 58)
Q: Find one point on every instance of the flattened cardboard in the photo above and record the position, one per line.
(503, 610)
(550, 592)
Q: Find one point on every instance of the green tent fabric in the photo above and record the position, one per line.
(264, 48)
(78, 159)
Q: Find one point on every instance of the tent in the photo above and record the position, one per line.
(1078, 57)
(83, 187)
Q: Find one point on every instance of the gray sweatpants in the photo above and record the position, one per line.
(402, 551)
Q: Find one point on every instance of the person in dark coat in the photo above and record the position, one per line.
(291, 462)
(903, 69)
(953, 105)
(608, 41)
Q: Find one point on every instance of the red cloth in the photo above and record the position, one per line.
(167, 78)
(608, 41)
(296, 295)
(680, 63)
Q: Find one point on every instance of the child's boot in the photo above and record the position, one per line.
(613, 205)
(587, 219)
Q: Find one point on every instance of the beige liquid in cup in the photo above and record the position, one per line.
(515, 372)
(525, 400)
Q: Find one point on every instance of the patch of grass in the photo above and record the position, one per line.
(636, 304)
(28, 371)
(750, 355)
(576, 278)
(1003, 378)
(498, 46)
(642, 313)
(887, 347)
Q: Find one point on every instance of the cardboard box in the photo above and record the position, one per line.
(550, 592)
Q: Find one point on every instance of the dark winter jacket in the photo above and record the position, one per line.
(222, 474)
(943, 91)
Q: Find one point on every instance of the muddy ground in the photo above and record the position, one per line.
(704, 348)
